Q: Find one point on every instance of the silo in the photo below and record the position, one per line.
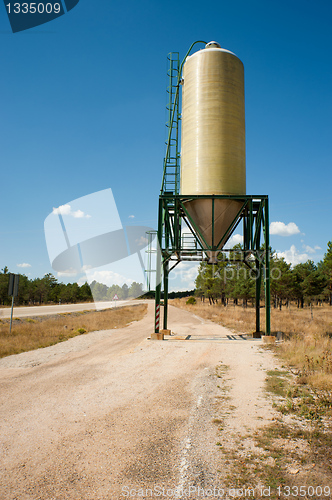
(213, 140)
(206, 187)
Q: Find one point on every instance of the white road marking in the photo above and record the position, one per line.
(184, 464)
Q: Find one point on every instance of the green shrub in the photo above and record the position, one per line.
(191, 301)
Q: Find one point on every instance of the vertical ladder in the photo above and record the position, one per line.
(151, 251)
(171, 174)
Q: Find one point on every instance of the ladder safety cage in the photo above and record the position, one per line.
(171, 174)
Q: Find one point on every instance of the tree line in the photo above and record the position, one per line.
(43, 290)
(103, 292)
(232, 280)
(227, 280)
(48, 290)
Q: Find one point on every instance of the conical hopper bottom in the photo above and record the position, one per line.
(225, 212)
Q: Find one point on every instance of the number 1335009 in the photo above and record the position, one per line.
(33, 8)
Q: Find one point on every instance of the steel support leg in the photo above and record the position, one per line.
(158, 267)
(258, 294)
(267, 270)
(165, 294)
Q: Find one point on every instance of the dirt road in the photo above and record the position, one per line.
(111, 414)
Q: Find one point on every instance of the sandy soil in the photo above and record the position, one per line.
(111, 412)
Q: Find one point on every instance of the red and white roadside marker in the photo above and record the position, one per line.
(157, 317)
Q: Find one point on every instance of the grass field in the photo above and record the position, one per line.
(43, 331)
(308, 335)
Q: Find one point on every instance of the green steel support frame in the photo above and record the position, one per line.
(255, 217)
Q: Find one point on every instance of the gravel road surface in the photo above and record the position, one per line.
(111, 414)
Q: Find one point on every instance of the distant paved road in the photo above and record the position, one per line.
(23, 312)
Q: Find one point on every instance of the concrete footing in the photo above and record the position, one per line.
(256, 335)
(157, 336)
(269, 339)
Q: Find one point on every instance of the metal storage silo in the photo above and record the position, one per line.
(213, 139)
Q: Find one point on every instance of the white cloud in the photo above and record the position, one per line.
(24, 264)
(282, 229)
(293, 256)
(69, 273)
(142, 241)
(183, 276)
(62, 209)
(235, 239)
(108, 278)
(78, 214)
(131, 217)
(189, 274)
(311, 250)
(67, 210)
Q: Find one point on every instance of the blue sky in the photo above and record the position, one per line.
(83, 109)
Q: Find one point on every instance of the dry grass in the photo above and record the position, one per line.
(311, 355)
(33, 333)
(288, 321)
(308, 345)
